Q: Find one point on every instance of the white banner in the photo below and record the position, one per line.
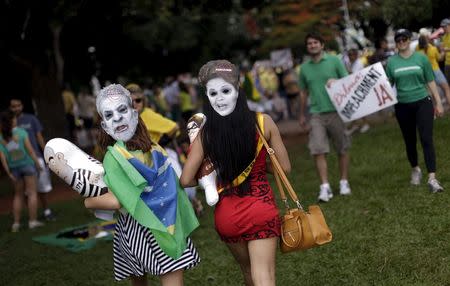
(282, 59)
(362, 93)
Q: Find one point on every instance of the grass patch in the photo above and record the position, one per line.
(386, 233)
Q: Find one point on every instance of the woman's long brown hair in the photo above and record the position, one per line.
(140, 140)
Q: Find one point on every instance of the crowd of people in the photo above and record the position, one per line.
(238, 103)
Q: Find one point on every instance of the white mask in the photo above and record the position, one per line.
(119, 120)
(222, 96)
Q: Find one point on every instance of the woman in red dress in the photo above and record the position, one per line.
(246, 216)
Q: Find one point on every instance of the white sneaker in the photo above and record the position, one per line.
(344, 188)
(364, 128)
(435, 186)
(34, 224)
(416, 176)
(325, 193)
(15, 227)
(351, 130)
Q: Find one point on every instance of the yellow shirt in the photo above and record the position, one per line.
(68, 101)
(446, 44)
(432, 54)
(157, 125)
(186, 102)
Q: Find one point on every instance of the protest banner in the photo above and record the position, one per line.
(362, 93)
(282, 59)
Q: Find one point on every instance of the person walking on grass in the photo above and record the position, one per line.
(33, 126)
(412, 75)
(434, 56)
(151, 234)
(246, 216)
(325, 123)
(20, 163)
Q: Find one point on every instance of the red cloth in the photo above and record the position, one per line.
(252, 214)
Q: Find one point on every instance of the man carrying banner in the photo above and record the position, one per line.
(322, 70)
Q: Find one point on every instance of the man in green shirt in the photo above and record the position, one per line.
(322, 70)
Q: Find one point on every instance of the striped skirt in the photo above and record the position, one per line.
(136, 252)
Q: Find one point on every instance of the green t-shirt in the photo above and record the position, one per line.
(410, 76)
(313, 78)
(14, 150)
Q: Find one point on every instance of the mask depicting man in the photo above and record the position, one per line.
(119, 119)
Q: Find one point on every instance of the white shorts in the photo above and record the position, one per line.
(44, 181)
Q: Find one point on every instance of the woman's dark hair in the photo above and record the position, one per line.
(423, 43)
(183, 87)
(219, 68)
(140, 140)
(229, 141)
(6, 122)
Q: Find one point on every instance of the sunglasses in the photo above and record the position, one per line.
(138, 100)
(401, 40)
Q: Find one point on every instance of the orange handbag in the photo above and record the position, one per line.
(300, 229)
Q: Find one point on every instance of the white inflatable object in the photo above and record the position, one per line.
(82, 172)
(206, 174)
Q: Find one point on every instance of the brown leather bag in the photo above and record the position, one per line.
(300, 229)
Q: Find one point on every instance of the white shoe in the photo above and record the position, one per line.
(325, 193)
(416, 176)
(364, 128)
(435, 186)
(15, 227)
(351, 130)
(34, 224)
(344, 188)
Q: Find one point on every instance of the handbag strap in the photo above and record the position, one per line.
(280, 177)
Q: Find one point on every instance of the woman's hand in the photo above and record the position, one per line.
(439, 109)
(11, 176)
(192, 164)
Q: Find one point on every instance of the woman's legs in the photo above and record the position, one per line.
(30, 188)
(406, 118)
(424, 119)
(172, 279)
(257, 260)
(240, 252)
(139, 280)
(18, 199)
(262, 256)
(446, 89)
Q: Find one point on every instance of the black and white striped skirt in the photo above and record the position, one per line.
(136, 252)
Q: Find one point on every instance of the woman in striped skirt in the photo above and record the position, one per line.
(140, 244)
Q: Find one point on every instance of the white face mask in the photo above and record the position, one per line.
(119, 120)
(222, 96)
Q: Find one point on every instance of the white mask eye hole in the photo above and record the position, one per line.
(123, 109)
(107, 115)
(212, 93)
(226, 90)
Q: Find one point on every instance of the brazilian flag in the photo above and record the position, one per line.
(147, 187)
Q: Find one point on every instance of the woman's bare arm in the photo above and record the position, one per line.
(30, 151)
(192, 164)
(107, 201)
(272, 135)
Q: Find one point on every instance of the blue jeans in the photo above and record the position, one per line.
(20, 172)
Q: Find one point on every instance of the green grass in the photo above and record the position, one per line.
(386, 233)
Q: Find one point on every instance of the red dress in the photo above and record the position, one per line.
(252, 214)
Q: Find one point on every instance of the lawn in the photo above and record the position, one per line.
(386, 233)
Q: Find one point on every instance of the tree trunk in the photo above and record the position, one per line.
(46, 88)
(47, 100)
(59, 60)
